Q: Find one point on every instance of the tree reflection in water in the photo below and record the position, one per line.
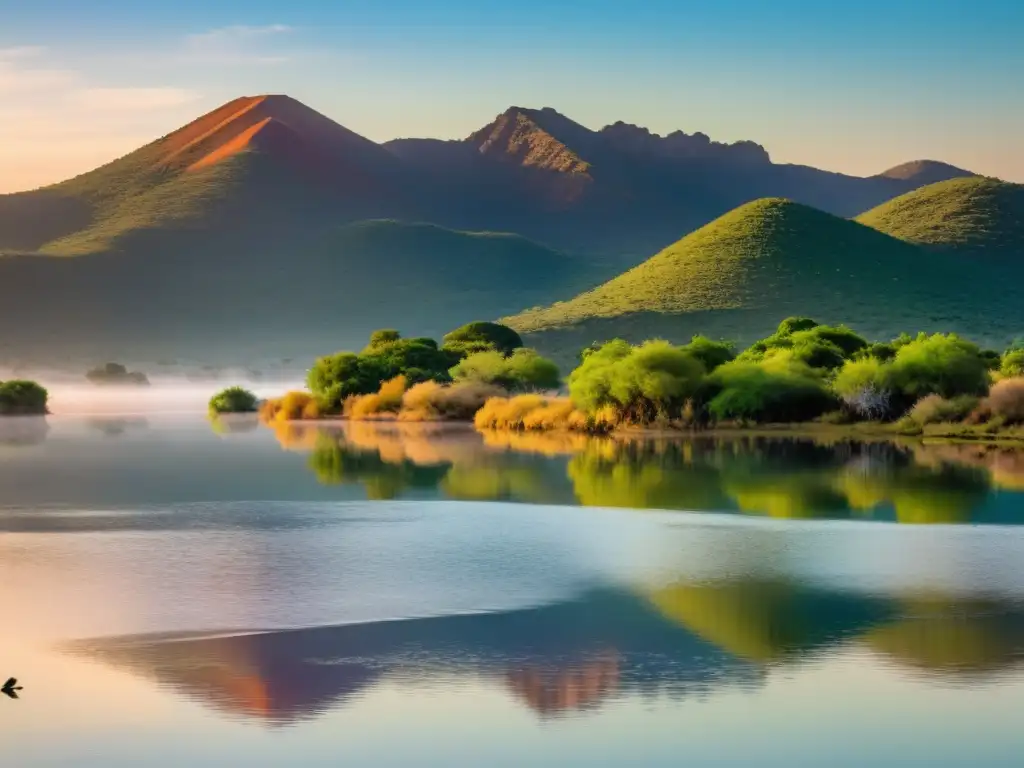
(788, 478)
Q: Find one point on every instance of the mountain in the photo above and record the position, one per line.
(249, 159)
(924, 172)
(177, 243)
(259, 165)
(738, 276)
(968, 214)
(227, 305)
(623, 189)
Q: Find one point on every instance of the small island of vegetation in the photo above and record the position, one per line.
(233, 400)
(115, 374)
(22, 398)
(804, 372)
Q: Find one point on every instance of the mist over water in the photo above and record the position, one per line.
(74, 396)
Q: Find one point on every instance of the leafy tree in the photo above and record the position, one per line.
(940, 364)
(794, 324)
(879, 350)
(993, 360)
(762, 392)
(522, 371)
(590, 382)
(642, 383)
(711, 353)
(383, 337)
(1012, 363)
(498, 337)
(847, 341)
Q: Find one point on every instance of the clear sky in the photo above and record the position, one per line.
(853, 87)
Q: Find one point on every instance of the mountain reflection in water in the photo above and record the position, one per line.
(791, 478)
(680, 640)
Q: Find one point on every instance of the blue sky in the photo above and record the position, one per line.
(849, 87)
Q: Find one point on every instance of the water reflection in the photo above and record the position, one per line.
(115, 427)
(783, 478)
(20, 431)
(678, 640)
(568, 656)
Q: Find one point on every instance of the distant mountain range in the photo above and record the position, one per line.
(235, 231)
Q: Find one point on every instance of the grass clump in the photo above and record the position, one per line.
(1006, 401)
(935, 409)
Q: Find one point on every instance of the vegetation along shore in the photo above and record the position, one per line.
(805, 375)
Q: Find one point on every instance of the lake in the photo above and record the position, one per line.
(176, 592)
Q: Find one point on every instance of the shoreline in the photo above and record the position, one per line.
(862, 431)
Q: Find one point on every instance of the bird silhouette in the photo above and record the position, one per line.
(11, 688)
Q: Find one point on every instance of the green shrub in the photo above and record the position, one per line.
(590, 381)
(710, 353)
(794, 324)
(643, 384)
(940, 364)
(763, 393)
(993, 360)
(1012, 363)
(334, 378)
(522, 371)
(819, 346)
(848, 342)
(817, 353)
(498, 337)
(234, 400)
(19, 397)
(383, 337)
(880, 350)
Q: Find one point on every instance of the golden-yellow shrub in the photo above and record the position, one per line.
(430, 401)
(386, 400)
(532, 412)
(293, 406)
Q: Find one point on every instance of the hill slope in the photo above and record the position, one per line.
(742, 273)
(221, 304)
(971, 214)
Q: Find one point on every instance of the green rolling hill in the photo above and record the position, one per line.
(739, 275)
(974, 214)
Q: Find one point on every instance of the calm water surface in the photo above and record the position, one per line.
(175, 594)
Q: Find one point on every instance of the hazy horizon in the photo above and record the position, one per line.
(825, 87)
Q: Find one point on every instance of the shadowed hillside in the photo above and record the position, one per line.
(227, 305)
